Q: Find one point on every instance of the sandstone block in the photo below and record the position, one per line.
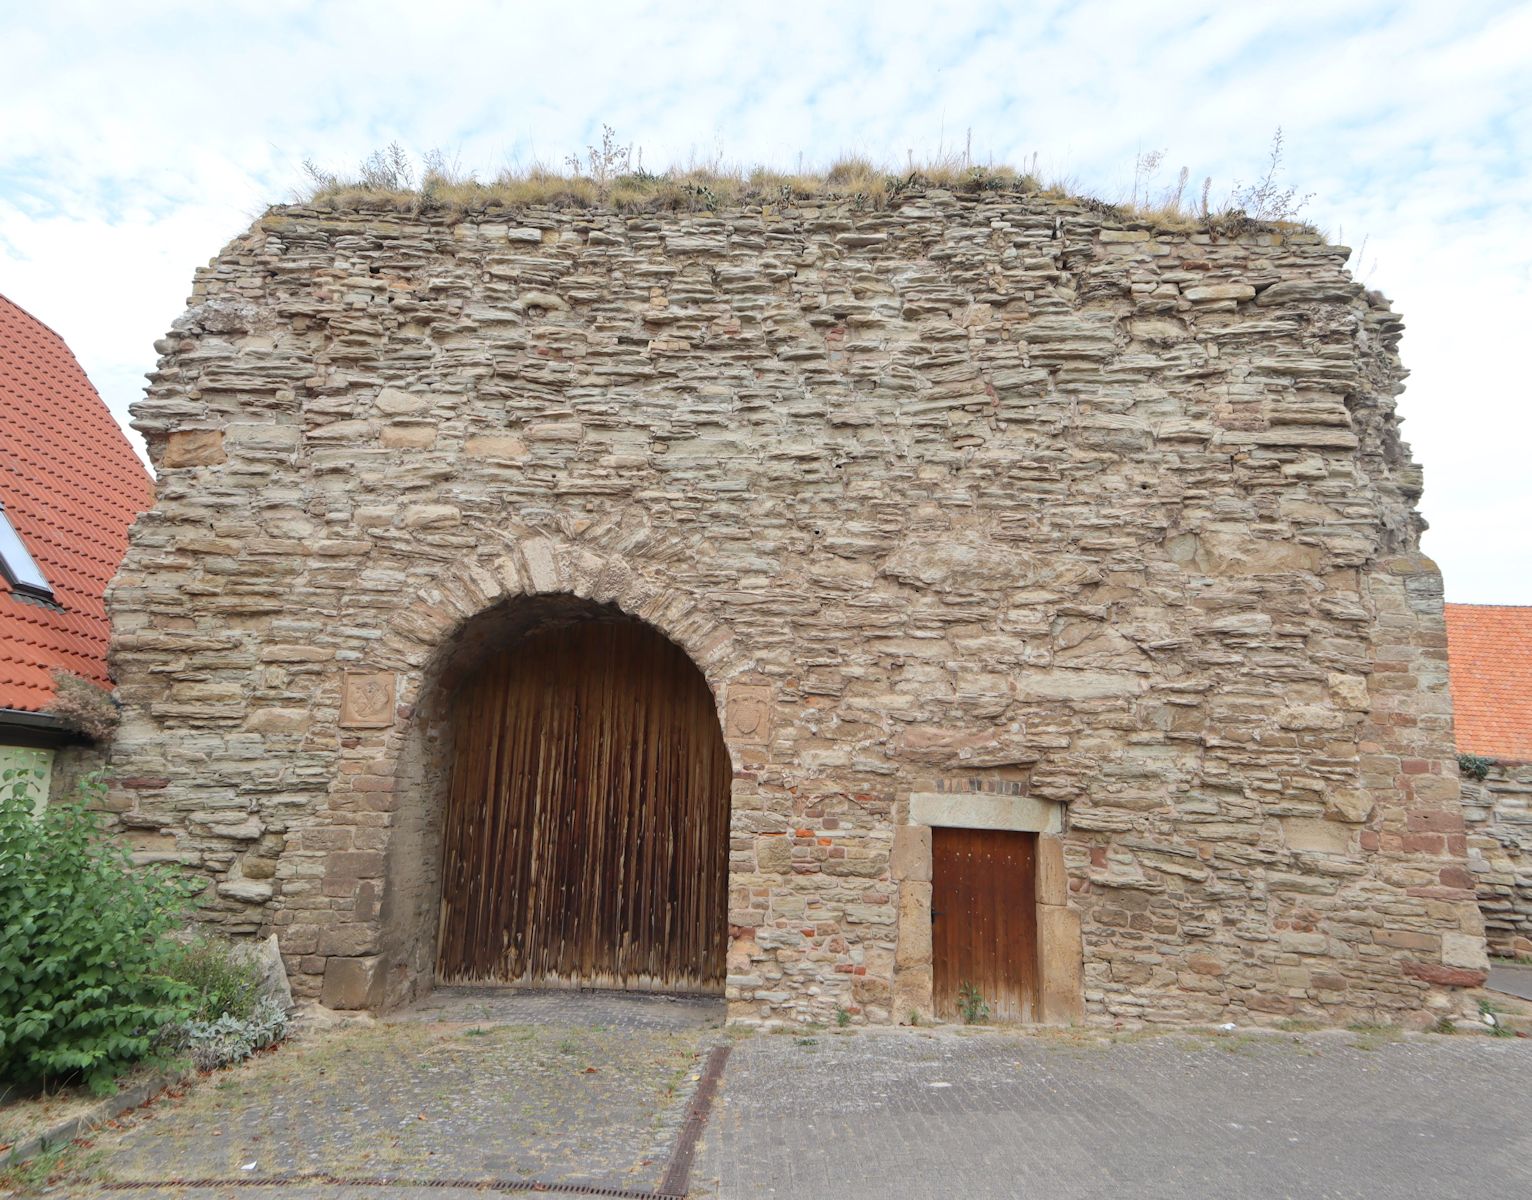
(1316, 835)
(271, 972)
(193, 448)
(395, 402)
(912, 853)
(979, 810)
(914, 947)
(278, 720)
(1078, 684)
(912, 994)
(349, 941)
(1061, 965)
(262, 436)
(350, 983)
(774, 854)
(432, 516)
(408, 437)
(247, 891)
(1052, 875)
(1464, 951)
(1219, 291)
(495, 445)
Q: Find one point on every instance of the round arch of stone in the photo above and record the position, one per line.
(414, 638)
(393, 711)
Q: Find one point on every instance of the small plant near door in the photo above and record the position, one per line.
(972, 1005)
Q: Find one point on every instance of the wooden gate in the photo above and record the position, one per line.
(586, 835)
(984, 920)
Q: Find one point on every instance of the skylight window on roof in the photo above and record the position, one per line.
(20, 568)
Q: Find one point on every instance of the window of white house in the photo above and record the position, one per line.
(20, 568)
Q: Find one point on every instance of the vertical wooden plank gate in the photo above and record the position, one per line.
(586, 830)
(984, 920)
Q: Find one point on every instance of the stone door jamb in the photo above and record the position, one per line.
(1060, 951)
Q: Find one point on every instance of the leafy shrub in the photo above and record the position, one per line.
(231, 1039)
(1474, 766)
(218, 980)
(83, 949)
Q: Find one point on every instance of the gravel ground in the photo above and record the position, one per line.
(470, 1089)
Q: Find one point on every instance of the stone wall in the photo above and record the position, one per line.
(983, 494)
(1499, 813)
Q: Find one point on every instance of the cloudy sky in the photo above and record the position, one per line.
(137, 137)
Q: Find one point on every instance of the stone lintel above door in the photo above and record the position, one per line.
(982, 810)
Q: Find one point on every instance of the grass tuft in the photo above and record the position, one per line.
(612, 176)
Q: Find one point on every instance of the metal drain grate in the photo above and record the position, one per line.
(678, 1173)
(475, 1185)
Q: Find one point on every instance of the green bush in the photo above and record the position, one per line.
(219, 982)
(83, 943)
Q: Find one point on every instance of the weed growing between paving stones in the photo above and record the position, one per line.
(1490, 1013)
(1371, 1035)
(73, 1162)
(972, 1004)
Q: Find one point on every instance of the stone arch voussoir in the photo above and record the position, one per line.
(540, 564)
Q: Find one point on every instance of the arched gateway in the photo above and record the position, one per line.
(585, 837)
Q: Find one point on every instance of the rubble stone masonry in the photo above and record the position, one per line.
(1499, 813)
(993, 501)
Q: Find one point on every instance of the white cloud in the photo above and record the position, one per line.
(140, 138)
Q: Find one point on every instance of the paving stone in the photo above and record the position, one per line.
(593, 1093)
(932, 1117)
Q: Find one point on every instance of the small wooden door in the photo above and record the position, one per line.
(984, 920)
(586, 835)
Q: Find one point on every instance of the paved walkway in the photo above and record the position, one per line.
(910, 1116)
(1513, 980)
(489, 1087)
(483, 1086)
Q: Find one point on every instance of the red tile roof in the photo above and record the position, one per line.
(71, 486)
(1489, 651)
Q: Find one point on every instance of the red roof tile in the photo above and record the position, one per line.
(71, 486)
(1489, 651)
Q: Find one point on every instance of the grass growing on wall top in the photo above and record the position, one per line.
(612, 176)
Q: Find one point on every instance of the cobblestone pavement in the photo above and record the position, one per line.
(908, 1115)
(564, 1088)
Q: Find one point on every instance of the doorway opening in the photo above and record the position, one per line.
(585, 826)
(984, 922)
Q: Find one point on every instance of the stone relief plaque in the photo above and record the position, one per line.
(748, 715)
(367, 700)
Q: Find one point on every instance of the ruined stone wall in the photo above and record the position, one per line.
(980, 494)
(1498, 809)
